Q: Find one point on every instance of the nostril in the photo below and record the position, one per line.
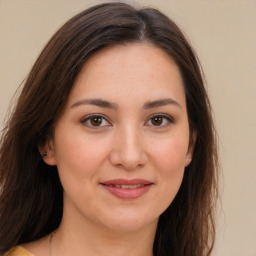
(128, 154)
(128, 162)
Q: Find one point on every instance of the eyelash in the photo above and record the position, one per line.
(169, 120)
(86, 121)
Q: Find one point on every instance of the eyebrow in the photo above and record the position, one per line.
(106, 104)
(95, 102)
(161, 103)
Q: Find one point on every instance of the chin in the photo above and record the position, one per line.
(129, 221)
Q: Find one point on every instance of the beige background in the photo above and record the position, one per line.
(224, 35)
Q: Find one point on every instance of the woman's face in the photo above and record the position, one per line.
(122, 144)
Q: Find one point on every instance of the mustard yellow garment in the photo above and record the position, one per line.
(18, 251)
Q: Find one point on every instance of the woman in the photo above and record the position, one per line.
(111, 148)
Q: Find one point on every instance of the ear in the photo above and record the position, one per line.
(192, 142)
(47, 152)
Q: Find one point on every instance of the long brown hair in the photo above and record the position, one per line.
(30, 191)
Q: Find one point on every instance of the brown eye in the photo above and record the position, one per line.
(157, 120)
(160, 120)
(96, 121)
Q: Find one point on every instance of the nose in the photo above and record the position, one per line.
(128, 150)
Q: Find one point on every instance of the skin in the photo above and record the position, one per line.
(126, 143)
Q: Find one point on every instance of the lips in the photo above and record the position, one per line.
(126, 186)
(127, 189)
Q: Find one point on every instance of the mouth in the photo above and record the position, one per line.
(127, 189)
(126, 186)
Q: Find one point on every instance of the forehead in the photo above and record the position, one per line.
(129, 70)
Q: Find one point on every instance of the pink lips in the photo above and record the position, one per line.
(127, 189)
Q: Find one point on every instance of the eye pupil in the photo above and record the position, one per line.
(158, 120)
(96, 121)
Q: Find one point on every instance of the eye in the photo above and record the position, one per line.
(95, 121)
(159, 120)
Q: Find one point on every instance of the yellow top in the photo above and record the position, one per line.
(18, 251)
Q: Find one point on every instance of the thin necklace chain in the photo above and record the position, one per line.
(50, 242)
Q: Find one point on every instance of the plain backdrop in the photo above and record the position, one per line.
(224, 36)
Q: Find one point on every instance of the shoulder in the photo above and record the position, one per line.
(18, 251)
(36, 248)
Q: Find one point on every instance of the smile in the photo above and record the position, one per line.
(126, 186)
(127, 189)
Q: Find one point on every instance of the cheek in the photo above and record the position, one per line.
(79, 156)
(79, 160)
(170, 165)
(170, 155)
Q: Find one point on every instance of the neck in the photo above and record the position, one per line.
(76, 237)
